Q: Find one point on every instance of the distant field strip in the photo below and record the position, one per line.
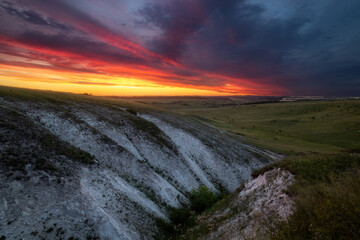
(323, 126)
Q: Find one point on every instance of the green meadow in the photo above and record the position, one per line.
(290, 127)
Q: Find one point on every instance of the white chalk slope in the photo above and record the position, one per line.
(145, 163)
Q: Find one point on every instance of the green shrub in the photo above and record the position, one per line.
(202, 198)
(179, 215)
(183, 218)
(167, 229)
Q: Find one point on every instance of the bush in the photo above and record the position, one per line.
(202, 198)
(179, 215)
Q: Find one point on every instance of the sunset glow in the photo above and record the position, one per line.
(133, 48)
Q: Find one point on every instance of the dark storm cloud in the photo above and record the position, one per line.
(337, 80)
(32, 17)
(235, 38)
(78, 46)
(307, 47)
(178, 21)
(229, 37)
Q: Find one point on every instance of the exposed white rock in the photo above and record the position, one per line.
(133, 181)
(268, 194)
(207, 165)
(113, 132)
(259, 204)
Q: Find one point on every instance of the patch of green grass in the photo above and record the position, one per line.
(145, 126)
(78, 155)
(315, 167)
(179, 103)
(151, 129)
(290, 128)
(52, 142)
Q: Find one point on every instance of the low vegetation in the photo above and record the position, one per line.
(181, 219)
(51, 142)
(290, 128)
(152, 130)
(200, 102)
(321, 140)
(200, 227)
(25, 143)
(327, 197)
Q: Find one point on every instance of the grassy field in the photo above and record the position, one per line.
(290, 127)
(195, 102)
(327, 197)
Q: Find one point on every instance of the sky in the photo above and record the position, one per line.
(182, 47)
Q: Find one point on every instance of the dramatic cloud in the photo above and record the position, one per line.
(31, 16)
(231, 46)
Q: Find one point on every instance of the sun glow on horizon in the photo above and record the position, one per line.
(100, 85)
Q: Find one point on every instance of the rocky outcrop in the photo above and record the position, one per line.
(250, 211)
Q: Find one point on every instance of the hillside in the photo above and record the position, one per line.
(313, 196)
(313, 193)
(76, 166)
(320, 126)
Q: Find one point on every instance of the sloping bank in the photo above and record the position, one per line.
(78, 166)
(302, 197)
